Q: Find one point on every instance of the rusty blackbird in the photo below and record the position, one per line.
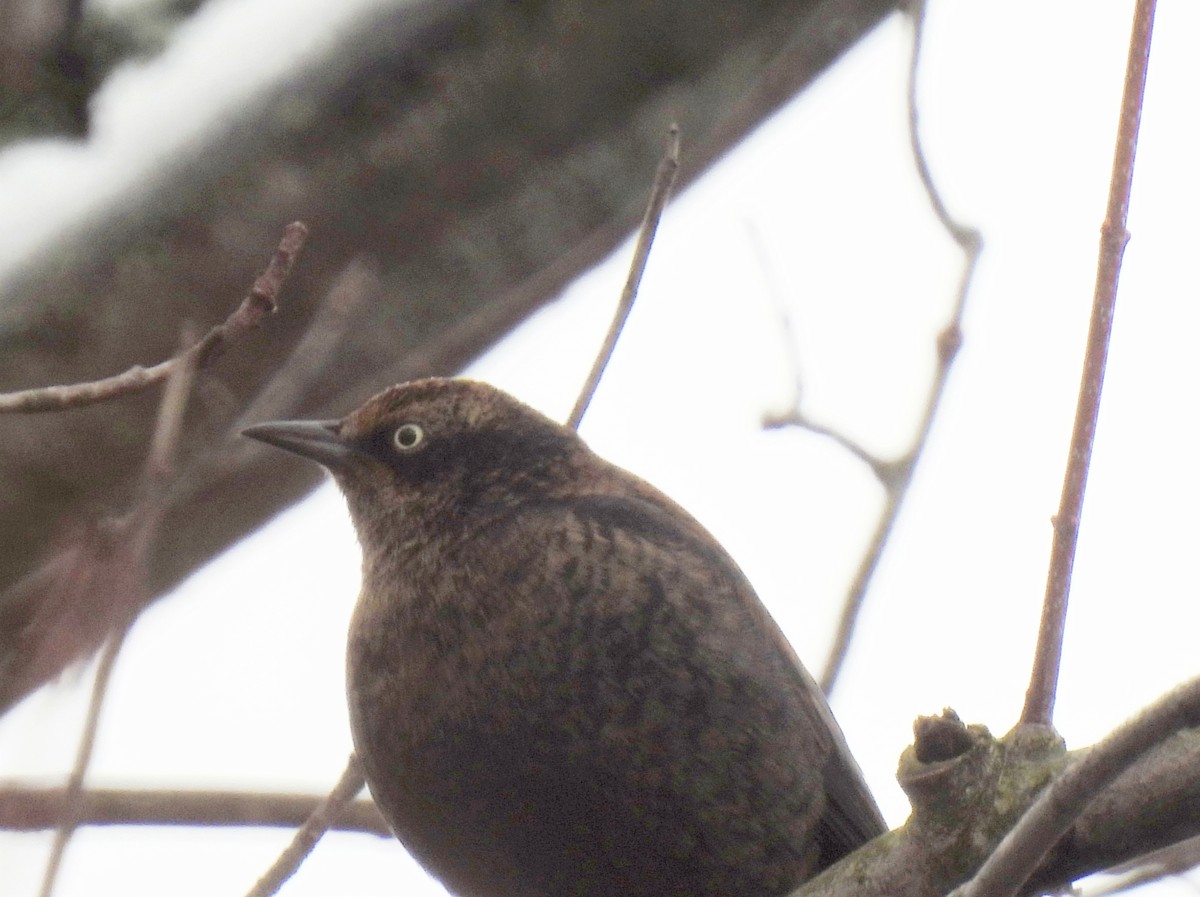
(559, 683)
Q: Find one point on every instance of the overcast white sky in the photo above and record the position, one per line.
(236, 682)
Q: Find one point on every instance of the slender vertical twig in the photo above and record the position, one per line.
(1039, 699)
(664, 178)
(69, 821)
(134, 533)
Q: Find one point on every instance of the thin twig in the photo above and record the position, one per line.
(664, 178)
(130, 578)
(310, 833)
(783, 311)
(261, 301)
(168, 424)
(304, 366)
(1057, 808)
(897, 475)
(71, 804)
(1039, 699)
(25, 809)
(66, 608)
(794, 416)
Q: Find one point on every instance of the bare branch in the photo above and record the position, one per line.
(795, 417)
(36, 809)
(261, 301)
(1056, 809)
(310, 833)
(969, 789)
(130, 581)
(1039, 699)
(69, 818)
(897, 476)
(168, 425)
(1154, 803)
(664, 178)
(348, 292)
(94, 585)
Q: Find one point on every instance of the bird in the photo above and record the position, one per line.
(559, 683)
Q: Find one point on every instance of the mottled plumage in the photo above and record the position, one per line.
(559, 683)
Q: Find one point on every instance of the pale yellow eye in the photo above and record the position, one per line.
(408, 437)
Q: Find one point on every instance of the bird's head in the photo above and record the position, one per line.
(435, 447)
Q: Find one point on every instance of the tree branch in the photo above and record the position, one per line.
(259, 302)
(660, 192)
(96, 584)
(1063, 802)
(896, 476)
(69, 817)
(36, 809)
(310, 833)
(1039, 699)
(129, 582)
(1139, 790)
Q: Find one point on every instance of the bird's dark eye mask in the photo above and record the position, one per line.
(473, 454)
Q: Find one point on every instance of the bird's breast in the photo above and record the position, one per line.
(543, 726)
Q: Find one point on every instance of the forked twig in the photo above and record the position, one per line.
(664, 178)
(1043, 684)
(794, 416)
(896, 476)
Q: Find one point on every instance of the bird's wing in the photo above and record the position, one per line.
(669, 556)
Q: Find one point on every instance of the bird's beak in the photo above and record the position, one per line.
(317, 440)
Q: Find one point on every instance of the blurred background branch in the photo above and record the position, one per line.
(479, 154)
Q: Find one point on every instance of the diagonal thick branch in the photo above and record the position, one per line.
(1058, 807)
